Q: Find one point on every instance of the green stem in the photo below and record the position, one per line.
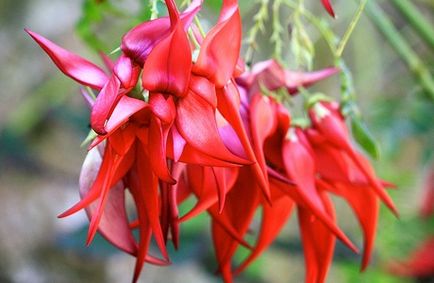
(277, 34)
(350, 28)
(154, 9)
(258, 25)
(416, 20)
(416, 65)
(325, 31)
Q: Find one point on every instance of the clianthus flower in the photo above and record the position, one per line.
(169, 124)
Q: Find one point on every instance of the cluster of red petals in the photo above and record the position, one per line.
(170, 126)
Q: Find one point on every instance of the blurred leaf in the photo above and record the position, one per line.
(364, 138)
(353, 274)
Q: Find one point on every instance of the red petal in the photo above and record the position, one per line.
(72, 65)
(273, 219)
(318, 242)
(196, 123)
(300, 167)
(236, 214)
(205, 89)
(104, 104)
(139, 41)
(262, 124)
(114, 222)
(168, 67)
(295, 80)
(220, 49)
(328, 7)
(157, 151)
(125, 108)
(331, 125)
(127, 72)
(229, 107)
(359, 198)
(144, 186)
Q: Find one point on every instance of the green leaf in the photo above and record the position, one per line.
(364, 138)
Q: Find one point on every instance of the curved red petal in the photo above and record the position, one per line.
(71, 64)
(157, 151)
(195, 121)
(114, 222)
(220, 49)
(139, 41)
(318, 242)
(104, 105)
(168, 67)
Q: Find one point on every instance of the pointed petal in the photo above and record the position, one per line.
(114, 222)
(196, 123)
(220, 49)
(139, 41)
(72, 65)
(300, 167)
(318, 242)
(104, 104)
(360, 197)
(168, 67)
(328, 7)
(157, 151)
(295, 80)
(229, 107)
(127, 72)
(329, 122)
(273, 219)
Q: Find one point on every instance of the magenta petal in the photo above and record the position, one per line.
(294, 80)
(126, 72)
(139, 41)
(72, 65)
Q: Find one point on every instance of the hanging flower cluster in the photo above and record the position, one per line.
(177, 115)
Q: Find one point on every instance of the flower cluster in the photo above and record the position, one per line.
(177, 115)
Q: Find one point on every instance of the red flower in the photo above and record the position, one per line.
(203, 128)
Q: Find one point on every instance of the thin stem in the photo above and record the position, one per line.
(193, 38)
(276, 36)
(350, 29)
(402, 47)
(90, 92)
(258, 25)
(199, 26)
(416, 20)
(154, 9)
(322, 27)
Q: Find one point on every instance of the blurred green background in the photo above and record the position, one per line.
(43, 120)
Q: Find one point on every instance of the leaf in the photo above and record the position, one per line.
(364, 138)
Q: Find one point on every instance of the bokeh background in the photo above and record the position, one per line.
(43, 120)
